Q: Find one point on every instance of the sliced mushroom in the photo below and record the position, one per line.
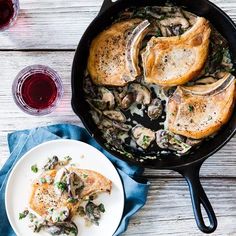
(109, 124)
(193, 142)
(133, 47)
(155, 109)
(127, 101)
(142, 93)
(143, 136)
(93, 212)
(167, 140)
(115, 115)
(75, 185)
(63, 228)
(171, 21)
(106, 100)
(51, 163)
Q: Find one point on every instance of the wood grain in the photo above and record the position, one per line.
(169, 212)
(59, 24)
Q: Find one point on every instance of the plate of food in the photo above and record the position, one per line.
(64, 187)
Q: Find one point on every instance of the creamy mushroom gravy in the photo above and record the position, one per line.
(131, 118)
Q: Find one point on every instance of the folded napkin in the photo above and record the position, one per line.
(22, 141)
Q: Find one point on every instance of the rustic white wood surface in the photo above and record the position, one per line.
(47, 32)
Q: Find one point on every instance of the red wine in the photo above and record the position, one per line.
(39, 91)
(6, 12)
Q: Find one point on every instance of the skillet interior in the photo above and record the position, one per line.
(171, 161)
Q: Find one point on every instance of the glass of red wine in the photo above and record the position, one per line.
(37, 90)
(8, 13)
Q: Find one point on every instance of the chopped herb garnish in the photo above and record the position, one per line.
(34, 168)
(43, 180)
(190, 108)
(23, 214)
(146, 139)
(85, 176)
(72, 200)
(158, 33)
(68, 158)
(61, 185)
(101, 208)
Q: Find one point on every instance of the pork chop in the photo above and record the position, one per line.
(201, 110)
(113, 56)
(171, 61)
(44, 195)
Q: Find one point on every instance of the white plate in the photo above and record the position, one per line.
(86, 156)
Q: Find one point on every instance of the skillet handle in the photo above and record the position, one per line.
(199, 198)
(105, 5)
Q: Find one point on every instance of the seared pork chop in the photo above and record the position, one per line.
(113, 56)
(45, 195)
(201, 110)
(171, 61)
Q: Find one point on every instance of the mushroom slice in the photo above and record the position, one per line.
(107, 97)
(171, 61)
(171, 21)
(167, 140)
(127, 101)
(133, 46)
(155, 109)
(62, 228)
(115, 115)
(113, 56)
(143, 136)
(142, 93)
(75, 185)
(201, 110)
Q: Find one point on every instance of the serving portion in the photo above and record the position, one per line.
(66, 194)
(159, 80)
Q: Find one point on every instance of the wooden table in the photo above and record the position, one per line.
(47, 32)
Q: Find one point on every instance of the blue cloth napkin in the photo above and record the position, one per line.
(22, 141)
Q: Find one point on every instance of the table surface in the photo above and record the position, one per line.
(47, 32)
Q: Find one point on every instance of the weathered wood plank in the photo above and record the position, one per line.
(169, 212)
(12, 118)
(59, 24)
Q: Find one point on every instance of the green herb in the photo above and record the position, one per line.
(101, 208)
(43, 180)
(68, 158)
(190, 108)
(61, 185)
(73, 231)
(85, 176)
(72, 200)
(158, 33)
(146, 139)
(34, 168)
(23, 214)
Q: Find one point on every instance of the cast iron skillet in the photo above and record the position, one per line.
(189, 165)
